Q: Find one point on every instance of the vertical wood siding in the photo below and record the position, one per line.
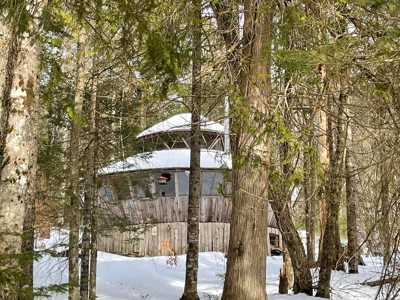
(168, 235)
(169, 239)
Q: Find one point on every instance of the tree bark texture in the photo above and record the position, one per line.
(301, 270)
(310, 203)
(286, 273)
(89, 235)
(5, 46)
(337, 170)
(192, 254)
(92, 167)
(351, 202)
(324, 160)
(19, 120)
(384, 227)
(74, 187)
(281, 205)
(246, 268)
(85, 249)
(331, 254)
(28, 240)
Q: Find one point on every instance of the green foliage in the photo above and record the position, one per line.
(299, 60)
(166, 51)
(13, 272)
(17, 14)
(162, 56)
(46, 291)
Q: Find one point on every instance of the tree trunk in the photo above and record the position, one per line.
(192, 254)
(28, 240)
(86, 221)
(281, 205)
(337, 162)
(310, 202)
(331, 255)
(19, 120)
(74, 188)
(283, 282)
(328, 255)
(301, 270)
(351, 201)
(89, 235)
(92, 177)
(246, 268)
(385, 206)
(5, 46)
(324, 160)
(286, 273)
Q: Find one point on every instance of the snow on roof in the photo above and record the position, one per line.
(169, 159)
(182, 122)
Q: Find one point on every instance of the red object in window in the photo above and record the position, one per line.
(162, 180)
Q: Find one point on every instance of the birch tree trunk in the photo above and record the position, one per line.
(74, 187)
(19, 120)
(192, 254)
(246, 268)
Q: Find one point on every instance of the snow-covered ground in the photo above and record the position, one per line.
(153, 278)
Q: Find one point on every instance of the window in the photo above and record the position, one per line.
(210, 182)
(106, 194)
(167, 189)
(141, 188)
(126, 187)
(121, 186)
(274, 240)
(183, 183)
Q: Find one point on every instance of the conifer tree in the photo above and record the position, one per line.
(74, 187)
(250, 149)
(192, 253)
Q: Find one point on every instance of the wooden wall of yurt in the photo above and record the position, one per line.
(167, 236)
(166, 210)
(165, 239)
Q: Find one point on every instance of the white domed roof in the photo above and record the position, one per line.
(182, 122)
(169, 159)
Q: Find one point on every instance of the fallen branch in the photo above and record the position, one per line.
(382, 281)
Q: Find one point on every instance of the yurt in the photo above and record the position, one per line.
(143, 199)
